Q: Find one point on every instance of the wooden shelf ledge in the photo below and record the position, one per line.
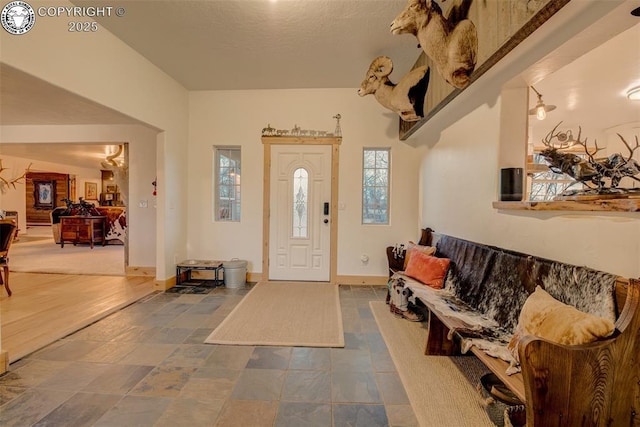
(312, 140)
(600, 205)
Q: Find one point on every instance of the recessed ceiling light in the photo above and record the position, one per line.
(634, 93)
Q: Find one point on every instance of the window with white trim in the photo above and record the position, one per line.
(545, 184)
(375, 185)
(226, 171)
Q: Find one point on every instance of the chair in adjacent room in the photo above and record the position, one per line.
(8, 231)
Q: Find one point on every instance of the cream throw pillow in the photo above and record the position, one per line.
(413, 247)
(544, 316)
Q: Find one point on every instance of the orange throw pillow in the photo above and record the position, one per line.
(428, 269)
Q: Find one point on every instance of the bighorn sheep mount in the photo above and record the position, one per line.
(405, 98)
(451, 42)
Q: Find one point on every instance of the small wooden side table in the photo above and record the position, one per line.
(82, 229)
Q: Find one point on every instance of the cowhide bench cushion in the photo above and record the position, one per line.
(486, 288)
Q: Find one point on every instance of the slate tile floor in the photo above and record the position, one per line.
(146, 365)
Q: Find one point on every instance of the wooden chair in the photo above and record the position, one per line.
(8, 231)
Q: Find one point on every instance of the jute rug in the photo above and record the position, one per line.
(284, 313)
(440, 393)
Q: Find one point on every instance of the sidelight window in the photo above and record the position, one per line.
(227, 183)
(375, 186)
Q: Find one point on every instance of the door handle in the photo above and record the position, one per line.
(326, 221)
(326, 208)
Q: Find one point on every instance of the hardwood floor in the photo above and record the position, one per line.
(46, 307)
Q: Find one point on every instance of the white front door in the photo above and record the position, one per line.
(299, 228)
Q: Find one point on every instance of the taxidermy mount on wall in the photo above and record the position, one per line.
(6, 184)
(599, 175)
(405, 98)
(451, 42)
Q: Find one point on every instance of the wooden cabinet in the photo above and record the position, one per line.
(82, 229)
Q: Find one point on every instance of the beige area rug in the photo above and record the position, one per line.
(440, 394)
(42, 255)
(296, 314)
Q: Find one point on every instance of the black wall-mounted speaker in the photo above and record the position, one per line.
(511, 180)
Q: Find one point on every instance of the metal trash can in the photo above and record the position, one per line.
(235, 273)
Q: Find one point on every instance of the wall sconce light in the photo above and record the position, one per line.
(634, 93)
(540, 110)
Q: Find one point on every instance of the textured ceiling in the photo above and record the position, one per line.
(88, 156)
(250, 44)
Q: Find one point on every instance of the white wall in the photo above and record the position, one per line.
(237, 118)
(102, 68)
(142, 171)
(460, 176)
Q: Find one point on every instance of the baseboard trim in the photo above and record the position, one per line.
(163, 285)
(254, 277)
(140, 271)
(4, 361)
(362, 280)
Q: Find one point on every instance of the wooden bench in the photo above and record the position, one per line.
(593, 384)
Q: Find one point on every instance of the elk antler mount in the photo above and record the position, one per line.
(5, 183)
(599, 175)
